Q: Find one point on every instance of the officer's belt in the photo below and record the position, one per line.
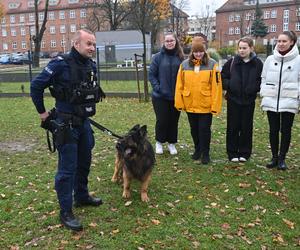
(70, 118)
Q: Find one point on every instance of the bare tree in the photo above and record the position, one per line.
(112, 12)
(1, 10)
(177, 6)
(145, 12)
(39, 31)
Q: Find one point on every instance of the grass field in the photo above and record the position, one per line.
(219, 206)
(108, 86)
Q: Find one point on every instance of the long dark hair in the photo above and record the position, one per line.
(178, 47)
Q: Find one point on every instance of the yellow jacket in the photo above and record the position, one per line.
(199, 92)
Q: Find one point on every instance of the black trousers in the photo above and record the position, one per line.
(167, 116)
(282, 122)
(200, 125)
(239, 129)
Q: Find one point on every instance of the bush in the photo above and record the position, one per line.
(226, 52)
(214, 54)
(260, 49)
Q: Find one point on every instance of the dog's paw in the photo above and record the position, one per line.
(144, 197)
(126, 195)
(114, 179)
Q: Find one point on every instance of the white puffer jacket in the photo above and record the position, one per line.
(280, 84)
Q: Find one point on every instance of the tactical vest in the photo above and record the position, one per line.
(82, 90)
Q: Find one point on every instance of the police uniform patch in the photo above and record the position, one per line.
(48, 70)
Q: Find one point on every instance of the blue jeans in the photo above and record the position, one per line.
(74, 161)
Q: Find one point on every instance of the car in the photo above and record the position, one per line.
(5, 59)
(18, 58)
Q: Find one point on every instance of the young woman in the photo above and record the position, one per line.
(162, 76)
(280, 91)
(241, 78)
(199, 93)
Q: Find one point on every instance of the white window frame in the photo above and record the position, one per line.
(22, 18)
(62, 29)
(285, 27)
(231, 18)
(43, 44)
(231, 31)
(82, 13)
(23, 45)
(4, 32)
(72, 28)
(31, 17)
(12, 19)
(237, 17)
(5, 46)
(41, 16)
(72, 14)
(273, 28)
(273, 13)
(13, 32)
(62, 14)
(23, 31)
(53, 44)
(297, 26)
(14, 45)
(51, 15)
(266, 14)
(237, 30)
(52, 29)
(248, 16)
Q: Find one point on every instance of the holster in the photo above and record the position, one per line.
(62, 133)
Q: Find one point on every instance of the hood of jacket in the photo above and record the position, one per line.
(294, 52)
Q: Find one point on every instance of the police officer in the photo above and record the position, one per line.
(71, 80)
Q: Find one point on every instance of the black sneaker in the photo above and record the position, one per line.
(196, 155)
(69, 221)
(205, 159)
(273, 163)
(282, 165)
(90, 201)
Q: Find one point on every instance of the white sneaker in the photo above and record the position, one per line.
(242, 159)
(235, 159)
(159, 148)
(172, 149)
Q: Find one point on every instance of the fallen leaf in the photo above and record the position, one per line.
(225, 226)
(244, 185)
(217, 236)
(239, 199)
(115, 231)
(169, 204)
(155, 222)
(128, 203)
(190, 197)
(93, 224)
(89, 247)
(196, 244)
(290, 224)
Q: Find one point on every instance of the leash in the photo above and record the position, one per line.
(104, 129)
(51, 146)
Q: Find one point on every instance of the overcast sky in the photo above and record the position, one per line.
(198, 6)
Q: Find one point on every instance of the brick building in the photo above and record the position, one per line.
(18, 24)
(235, 17)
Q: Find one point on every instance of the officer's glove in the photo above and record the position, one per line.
(101, 94)
(47, 124)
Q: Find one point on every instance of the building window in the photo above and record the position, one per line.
(23, 31)
(63, 43)
(297, 26)
(248, 16)
(273, 13)
(31, 17)
(53, 2)
(4, 32)
(12, 18)
(13, 5)
(237, 17)
(22, 18)
(247, 31)
(273, 28)
(73, 28)
(237, 30)
(266, 14)
(13, 32)
(51, 15)
(53, 44)
(62, 14)
(285, 27)
(73, 1)
(32, 30)
(231, 31)
(72, 14)
(62, 28)
(231, 18)
(41, 16)
(83, 26)
(52, 29)
(14, 45)
(3, 21)
(5, 46)
(43, 44)
(286, 16)
(23, 45)
(82, 13)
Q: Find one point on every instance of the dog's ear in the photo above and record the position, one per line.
(143, 131)
(135, 128)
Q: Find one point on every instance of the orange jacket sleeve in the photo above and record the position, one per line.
(216, 105)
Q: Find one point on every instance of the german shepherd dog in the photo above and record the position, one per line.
(135, 159)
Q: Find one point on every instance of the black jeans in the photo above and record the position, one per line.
(167, 116)
(200, 125)
(239, 130)
(282, 122)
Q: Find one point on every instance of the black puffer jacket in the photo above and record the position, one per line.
(242, 79)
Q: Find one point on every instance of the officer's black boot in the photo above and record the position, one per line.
(273, 163)
(69, 221)
(205, 159)
(196, 155)
(89, 201)
(281, 163)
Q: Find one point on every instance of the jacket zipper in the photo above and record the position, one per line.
(280, 75)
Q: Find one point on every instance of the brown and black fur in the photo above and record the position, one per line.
(134, 160)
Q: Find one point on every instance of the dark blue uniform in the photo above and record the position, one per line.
(74, 155)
